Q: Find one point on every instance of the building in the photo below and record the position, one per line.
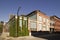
(38, 21)
(55, 23)
(34, 21)
(17, 24)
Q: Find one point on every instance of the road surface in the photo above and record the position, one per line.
(36, 36)
(48, 36)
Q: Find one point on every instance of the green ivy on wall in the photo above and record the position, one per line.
(12, 27)
(16, 30)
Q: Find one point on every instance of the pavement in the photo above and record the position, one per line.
(35, 36)
(5, 36)
(22, 38)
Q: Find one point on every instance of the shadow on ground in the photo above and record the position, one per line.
(47, 35)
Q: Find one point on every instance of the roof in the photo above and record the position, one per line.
(34, 12)
(55, 16)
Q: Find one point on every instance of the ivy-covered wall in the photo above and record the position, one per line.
(23, 27)
(25, 31)
(12, 27)
(19, 27)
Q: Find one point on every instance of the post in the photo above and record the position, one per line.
(17, 22)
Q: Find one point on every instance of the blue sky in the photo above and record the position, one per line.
(7, 7)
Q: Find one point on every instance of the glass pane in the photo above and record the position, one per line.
(33, 24)
(44, 28)
(25, 18)
(52, 23)
(40, 27)
(39, 18)
(20, 22)
(33, 17)
(20, 17)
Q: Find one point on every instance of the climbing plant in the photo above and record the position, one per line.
(12, 27)
(16, 30)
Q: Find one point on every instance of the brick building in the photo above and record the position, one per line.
(55, 24)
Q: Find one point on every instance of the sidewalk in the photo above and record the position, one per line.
(4, 37)
(22, 38)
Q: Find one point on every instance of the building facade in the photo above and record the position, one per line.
(55, 24)
(34, 21)
(38, 21)
(18, 25)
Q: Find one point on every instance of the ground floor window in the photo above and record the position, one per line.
(33, 25)
(40, 27)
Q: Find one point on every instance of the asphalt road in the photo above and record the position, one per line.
(46, 35)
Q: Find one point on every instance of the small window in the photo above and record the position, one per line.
(20, 23)
(33, 24)
(25, 18)
(40, 18)
(40, 27)
(52, 23)
(33, 17)
(20, 17)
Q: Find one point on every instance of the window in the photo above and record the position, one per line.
(33, 24)
(20, 23)
(39, 18)
(52, 23)
(20, 17)
(25, 18)
(40, 27)
(33, 17)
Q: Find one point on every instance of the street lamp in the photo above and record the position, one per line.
(18, 11)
